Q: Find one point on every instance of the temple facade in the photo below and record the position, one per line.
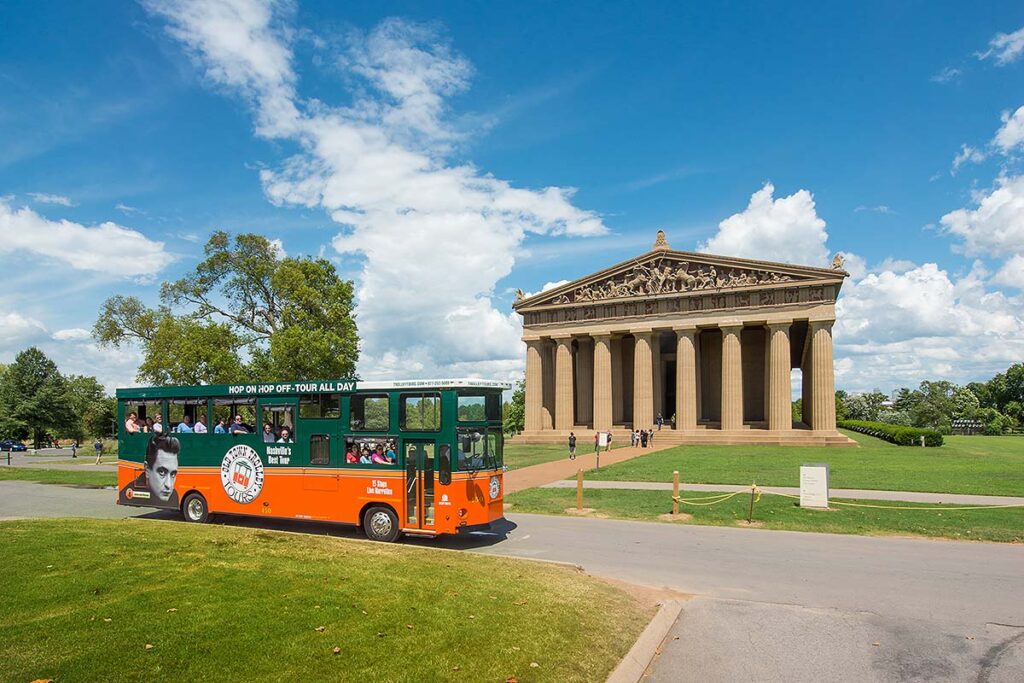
(709, 343)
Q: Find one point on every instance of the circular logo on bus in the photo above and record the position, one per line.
(241, 474)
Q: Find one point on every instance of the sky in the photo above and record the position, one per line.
(443, 155)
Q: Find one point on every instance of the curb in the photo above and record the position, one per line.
(633, 666)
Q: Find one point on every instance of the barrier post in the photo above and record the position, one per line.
(750, 513)
(675, 492)
(579, 489)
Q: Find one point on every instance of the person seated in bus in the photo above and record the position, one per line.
(268, 433)
(390, 454)
(147, 426)
(352, 455)
(377, 458)
(364, 459)
(185, 426)
(200, 427)
(286, 436)
(222, 426)
(237, 427)
(131, 425)
(158, 425)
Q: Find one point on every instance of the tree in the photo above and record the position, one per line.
(514, 412)
(34, 398)
(100, 418)
(83, 392)
(288, 317)
(865, 406)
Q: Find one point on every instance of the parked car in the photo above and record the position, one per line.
(12, 445)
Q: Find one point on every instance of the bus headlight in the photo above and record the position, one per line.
(495, 487)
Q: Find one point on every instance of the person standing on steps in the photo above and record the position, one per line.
(572, 446)
(661, 421)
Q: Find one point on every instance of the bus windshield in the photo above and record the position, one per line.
(479, 448)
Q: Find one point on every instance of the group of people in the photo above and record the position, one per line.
(282, 434)
(642, 438)
(371, 452)
(136, 425)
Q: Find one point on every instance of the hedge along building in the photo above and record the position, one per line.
(708, 342)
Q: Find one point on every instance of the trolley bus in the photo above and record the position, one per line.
(418, 457)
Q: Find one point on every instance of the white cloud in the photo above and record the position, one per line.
(1012, 273)
(1005, 47)
(43, 198)
(18, 331)
(895, 265)
(855, 265)
(107, 248)
(72, 334)
(278, 246)
(1011, 134)
(546, 287)
(881, 208)
(996, 226)
(950, 73)
(434, 236)
(901, 328)
(787, 229)
(128, 210)
(965, 155)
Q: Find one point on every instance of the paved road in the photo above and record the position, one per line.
(769, 605)
(867, 494)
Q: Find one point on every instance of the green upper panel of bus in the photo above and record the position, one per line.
(332, 386)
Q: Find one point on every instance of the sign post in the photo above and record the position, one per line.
(814, 486)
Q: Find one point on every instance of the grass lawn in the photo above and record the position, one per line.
(776, 512)
(47, 476)
(991, 465)
(524, 454)
(82, 600)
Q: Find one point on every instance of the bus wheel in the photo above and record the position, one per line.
(381, 524)
(195, 509)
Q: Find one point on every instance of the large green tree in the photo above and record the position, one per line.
(34, 398)
(514, 411)
(246, 312)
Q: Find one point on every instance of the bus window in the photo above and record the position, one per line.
(179, 408)
(316, 406)
(371, 450)
(444, 465)
(228, 408)
(495, 447)
(369, 413)
(278, 417)
(149, 413)
(479, 407)
(319, 449)
(419, 412)
(472, 449)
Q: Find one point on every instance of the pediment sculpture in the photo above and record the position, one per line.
(666, 276)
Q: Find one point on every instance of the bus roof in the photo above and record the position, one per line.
(334, 386)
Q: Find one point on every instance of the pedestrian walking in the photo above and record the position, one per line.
(74, 449)
(650, 438)
(597, 442)
(643, 439)
(98, 445)
(661, 421)
(608, 443)
(572, 446)
(632, 438)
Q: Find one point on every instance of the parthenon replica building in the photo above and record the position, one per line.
(708, 342)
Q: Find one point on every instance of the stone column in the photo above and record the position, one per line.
(534, 387)
(615, 345)
(823, 387)
(584, 380)
(732, 377)
(643, 381)
(779, 398)
(657, 390)
(547, 413)
(563, 383)
(603, 382)
(686, 378)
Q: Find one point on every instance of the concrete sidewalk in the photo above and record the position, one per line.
(83, 463)
(865, 494)
(545, 473)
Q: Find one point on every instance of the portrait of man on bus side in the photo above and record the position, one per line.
(160, 470)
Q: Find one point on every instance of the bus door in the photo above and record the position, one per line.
(318, 440)
(419, 483)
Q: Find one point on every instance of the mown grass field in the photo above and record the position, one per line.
(74, 477)
(986, 465)
(776, 512)
(523, 455)
(82, 600)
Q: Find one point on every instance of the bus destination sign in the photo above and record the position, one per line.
(332, 387)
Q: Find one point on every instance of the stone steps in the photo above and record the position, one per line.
(710, 437)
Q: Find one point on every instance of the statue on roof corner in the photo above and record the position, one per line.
(837, 261)
(660, 242)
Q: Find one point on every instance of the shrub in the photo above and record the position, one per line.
(897, 434)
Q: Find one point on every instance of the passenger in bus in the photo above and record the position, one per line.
(147, 426)
(185, 426)
(200, 427)
(131, 425)
(364, 459)
(352, 456)
(268, 433)
(286, 436)
(377, 458)
(221, 427)
(237, 427)
(390, 455)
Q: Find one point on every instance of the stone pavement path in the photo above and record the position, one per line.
(548, 472)
(83, 463)
(866, 494)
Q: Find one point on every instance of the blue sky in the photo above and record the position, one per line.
(419, 139)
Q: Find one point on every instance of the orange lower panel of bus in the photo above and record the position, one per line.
(329, 495)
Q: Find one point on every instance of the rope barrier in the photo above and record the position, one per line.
(755, 489)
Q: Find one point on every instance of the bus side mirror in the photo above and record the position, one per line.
(444, 466)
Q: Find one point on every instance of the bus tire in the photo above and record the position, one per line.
(195, 509)
(381, 524)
